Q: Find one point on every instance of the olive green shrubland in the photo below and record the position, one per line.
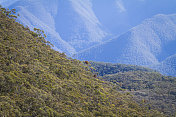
(35, 80)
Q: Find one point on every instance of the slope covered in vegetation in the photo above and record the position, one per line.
(38, 81)
(147, 86)
(109, 68)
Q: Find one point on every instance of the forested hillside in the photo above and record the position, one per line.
(38, 81)
(147, 86)
(108, 68)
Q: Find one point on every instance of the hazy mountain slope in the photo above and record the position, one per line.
(85, 24)
(168, 66)
(149, 43)
(78, 24)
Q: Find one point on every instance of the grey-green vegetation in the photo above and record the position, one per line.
(147, 86)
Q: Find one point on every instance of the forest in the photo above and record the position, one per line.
(147, 86)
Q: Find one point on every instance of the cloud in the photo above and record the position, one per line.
(120, 6)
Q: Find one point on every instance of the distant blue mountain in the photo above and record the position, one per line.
(168, 66)
(75, 25)
(152, 44)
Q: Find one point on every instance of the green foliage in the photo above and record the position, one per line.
(149, 88)
(38, 81)
(109, 68)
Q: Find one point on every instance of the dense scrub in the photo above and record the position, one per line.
(108, 68)
(38, 81)
(148, 87)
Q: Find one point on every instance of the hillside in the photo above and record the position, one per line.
(147, 44)
(151, 87)
(147, 86)
(109, 68)
(35, 80)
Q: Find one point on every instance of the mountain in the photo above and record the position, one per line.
(35, 80)
(147, 44)
(73, 25)
(168, 66)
